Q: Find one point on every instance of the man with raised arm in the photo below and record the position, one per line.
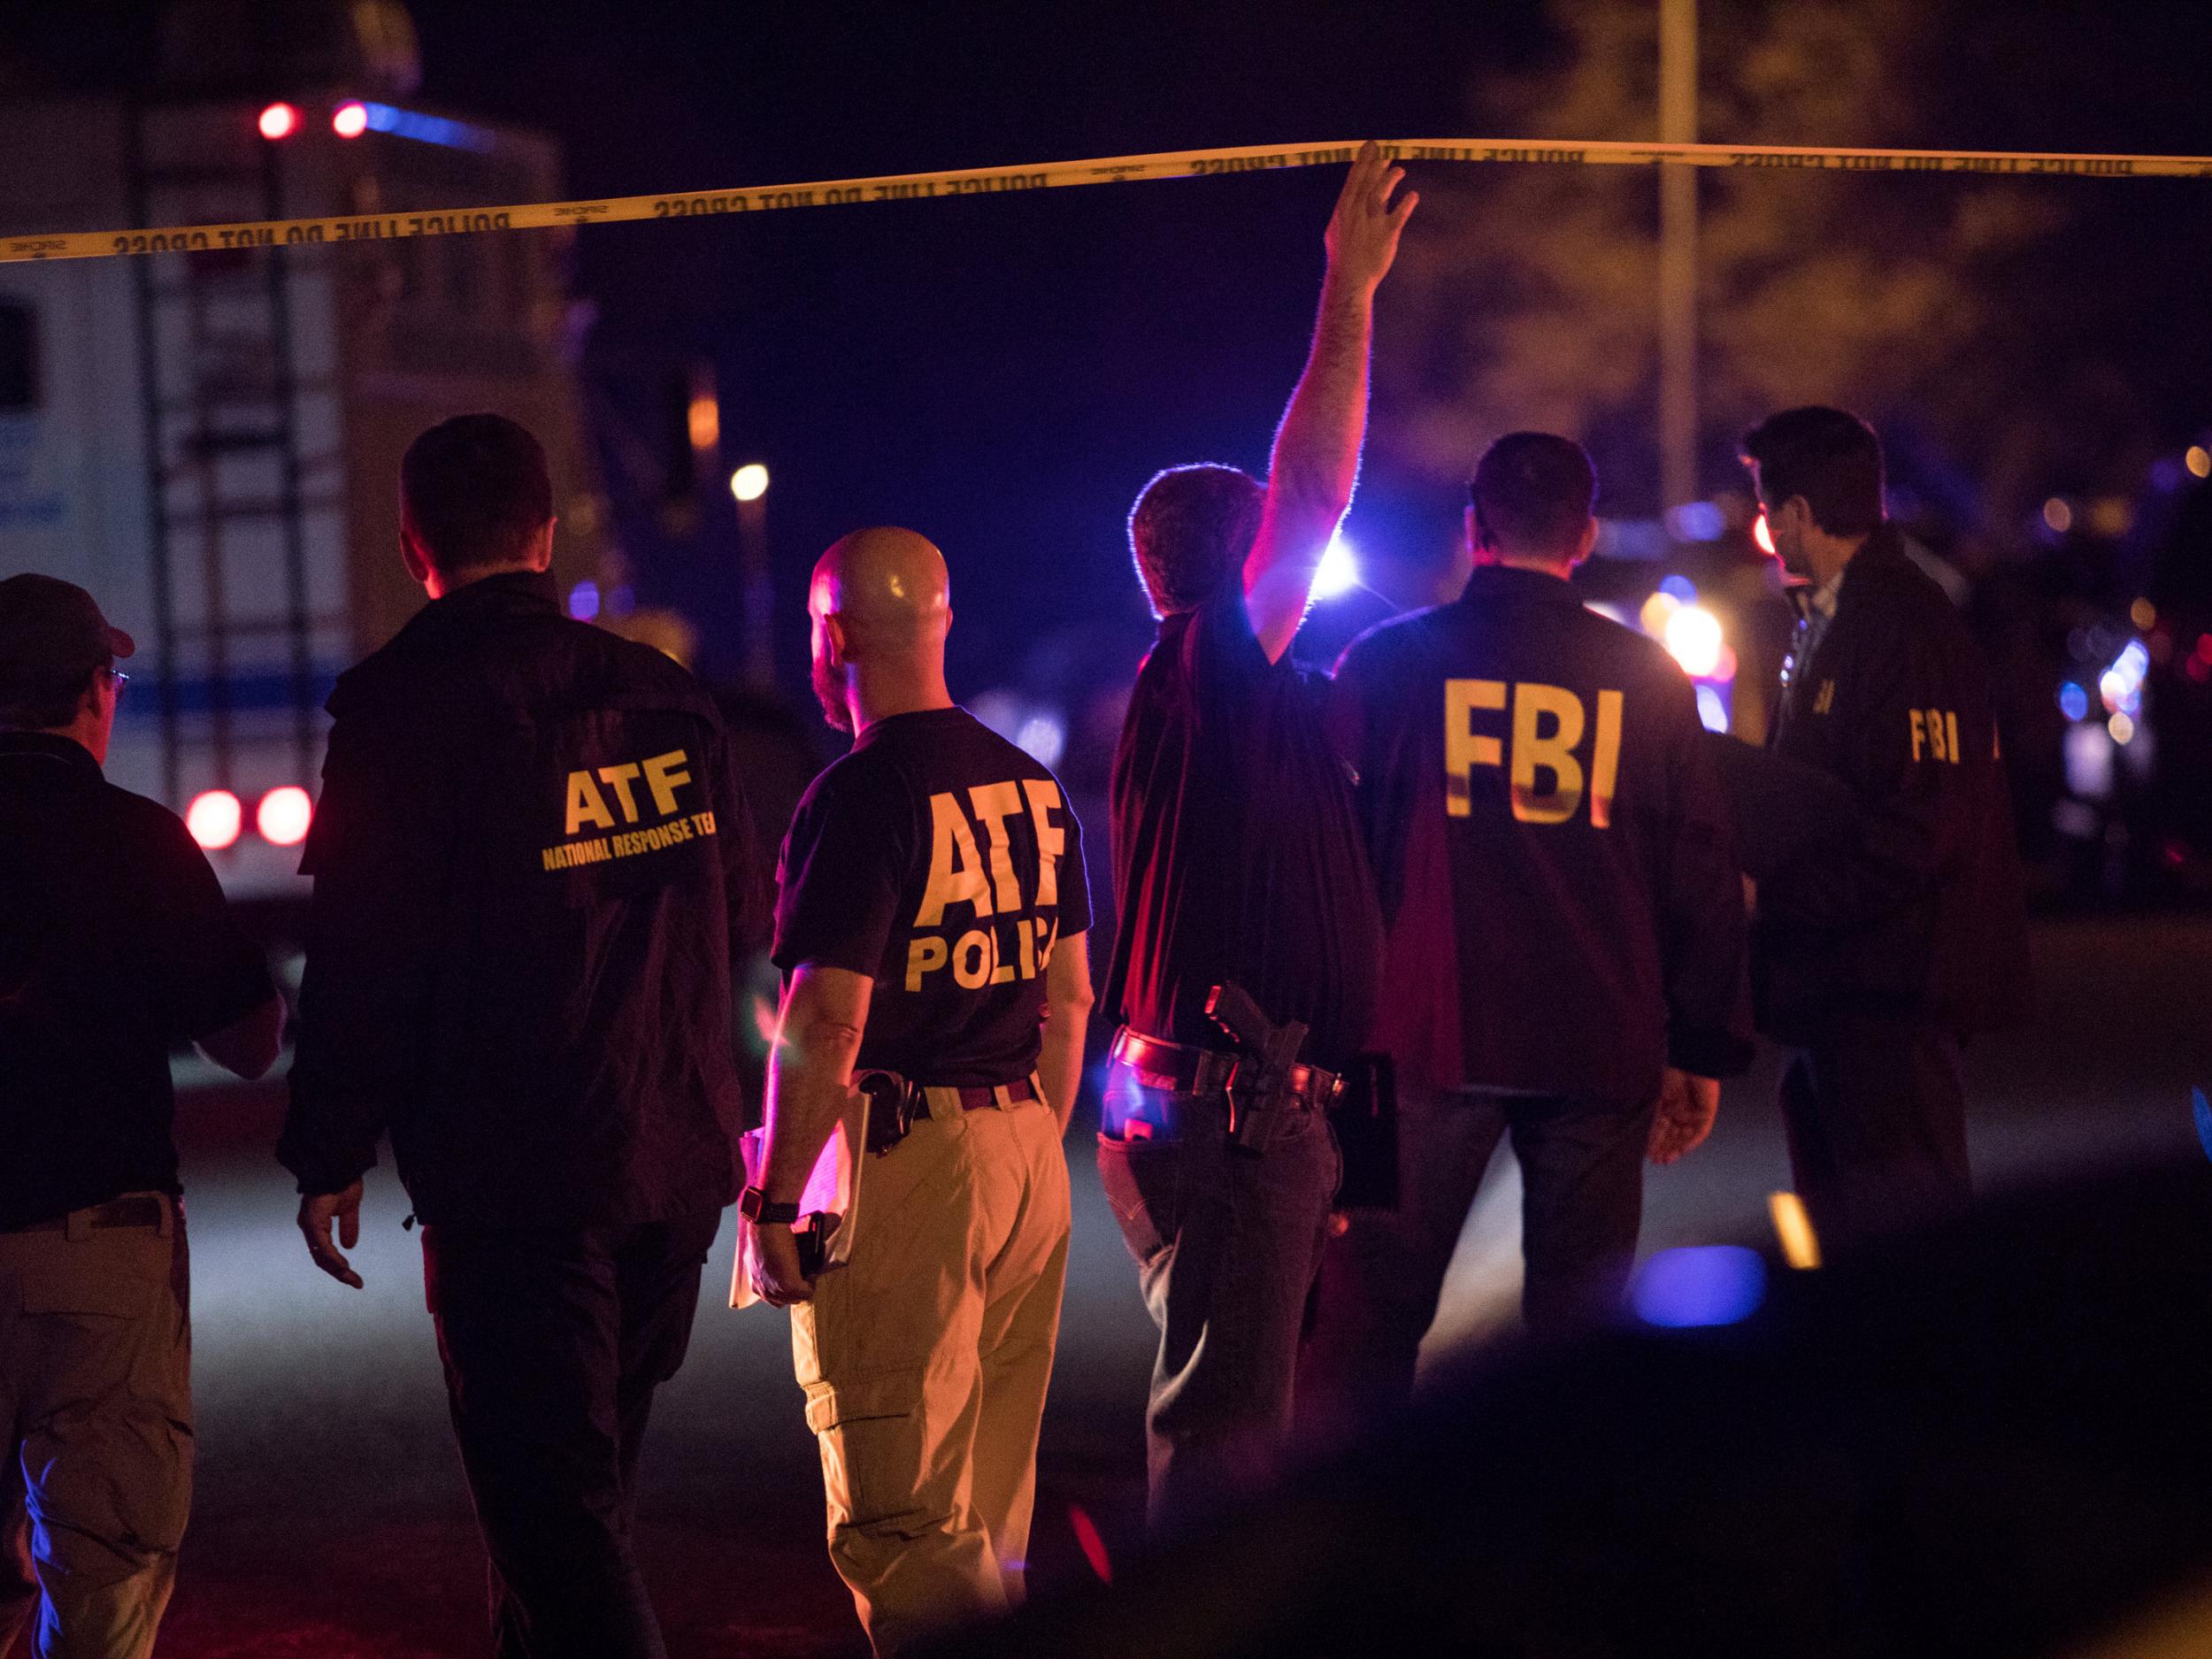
(1238, 864)
(930, 920)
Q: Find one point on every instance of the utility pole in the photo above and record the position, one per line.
(1677, 256)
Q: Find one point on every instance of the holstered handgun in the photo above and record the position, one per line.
(893, 1105)
(1269, 1052)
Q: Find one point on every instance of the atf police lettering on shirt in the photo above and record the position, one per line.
(1017, 944)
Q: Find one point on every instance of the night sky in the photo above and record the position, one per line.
(1004, 373)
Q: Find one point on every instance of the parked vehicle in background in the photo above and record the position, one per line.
(209, 439)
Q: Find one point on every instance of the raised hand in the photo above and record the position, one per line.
(1362, 233)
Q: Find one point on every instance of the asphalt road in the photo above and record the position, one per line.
(330, 1518)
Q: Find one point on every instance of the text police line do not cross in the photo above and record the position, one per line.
(969, 181)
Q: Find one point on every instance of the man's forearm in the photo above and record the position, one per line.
(810, 1080)
(1316, 459)
(1060, 1061)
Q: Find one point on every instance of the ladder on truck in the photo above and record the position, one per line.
(228, 475)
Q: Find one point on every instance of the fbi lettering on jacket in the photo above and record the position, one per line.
(972, 880)
(1542, 737)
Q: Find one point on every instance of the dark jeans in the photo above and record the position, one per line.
(1581, 1206)
(1226, 1243)
(1876, 1120)
(553, 1340)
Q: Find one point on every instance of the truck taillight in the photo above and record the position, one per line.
(214, 818)
(283, 816)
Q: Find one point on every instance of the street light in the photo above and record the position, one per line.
(756, 589)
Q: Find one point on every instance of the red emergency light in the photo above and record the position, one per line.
(283, 816)
(215, 818)
(349, 120)
(279, 120)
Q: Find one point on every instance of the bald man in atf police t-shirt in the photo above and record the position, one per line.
(930, 925)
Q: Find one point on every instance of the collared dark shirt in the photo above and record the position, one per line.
(532, 872)
(942, 862)
(115, 946)
(1237, 854)
(1555, 860)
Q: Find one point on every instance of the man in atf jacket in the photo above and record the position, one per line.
(1890, 920)
(532, 876)
(1564, 958)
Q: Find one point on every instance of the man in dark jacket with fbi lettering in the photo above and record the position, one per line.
(1565, 929)
(1889, 919)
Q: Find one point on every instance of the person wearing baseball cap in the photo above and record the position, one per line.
(115, 945)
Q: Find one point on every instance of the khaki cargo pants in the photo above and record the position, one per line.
(95, 1404)
(925, 1361)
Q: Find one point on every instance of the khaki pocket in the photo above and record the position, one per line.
(872, 1433)
(72, 1285)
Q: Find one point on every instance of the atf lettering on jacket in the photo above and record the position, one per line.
(636, 804)
(1537, 743)
(1009, 943)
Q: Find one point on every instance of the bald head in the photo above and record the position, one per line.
(881, 605)
(889, 588)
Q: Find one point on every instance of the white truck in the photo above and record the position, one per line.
(209, 440)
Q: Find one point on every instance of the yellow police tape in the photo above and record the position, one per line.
(1178, 164)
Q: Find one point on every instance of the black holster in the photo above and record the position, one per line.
(893, 1103)
(1260, 1089)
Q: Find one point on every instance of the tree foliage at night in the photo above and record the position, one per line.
(1527, 294)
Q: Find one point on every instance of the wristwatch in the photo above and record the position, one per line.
(753, 1204)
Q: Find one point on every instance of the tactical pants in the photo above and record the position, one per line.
(1581, 1208)
(924, 1360)
(553, 1340)
(95, 1402)
(1226, 1242)
(1876, 1120)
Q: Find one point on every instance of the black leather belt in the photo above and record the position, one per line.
(140, 1209)
(1181, 1068)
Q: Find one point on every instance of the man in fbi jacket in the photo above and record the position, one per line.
(1889, 920)
(1565, 946)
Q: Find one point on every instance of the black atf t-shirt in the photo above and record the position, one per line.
(943, 863)
(1237, 853)
(115, 946)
